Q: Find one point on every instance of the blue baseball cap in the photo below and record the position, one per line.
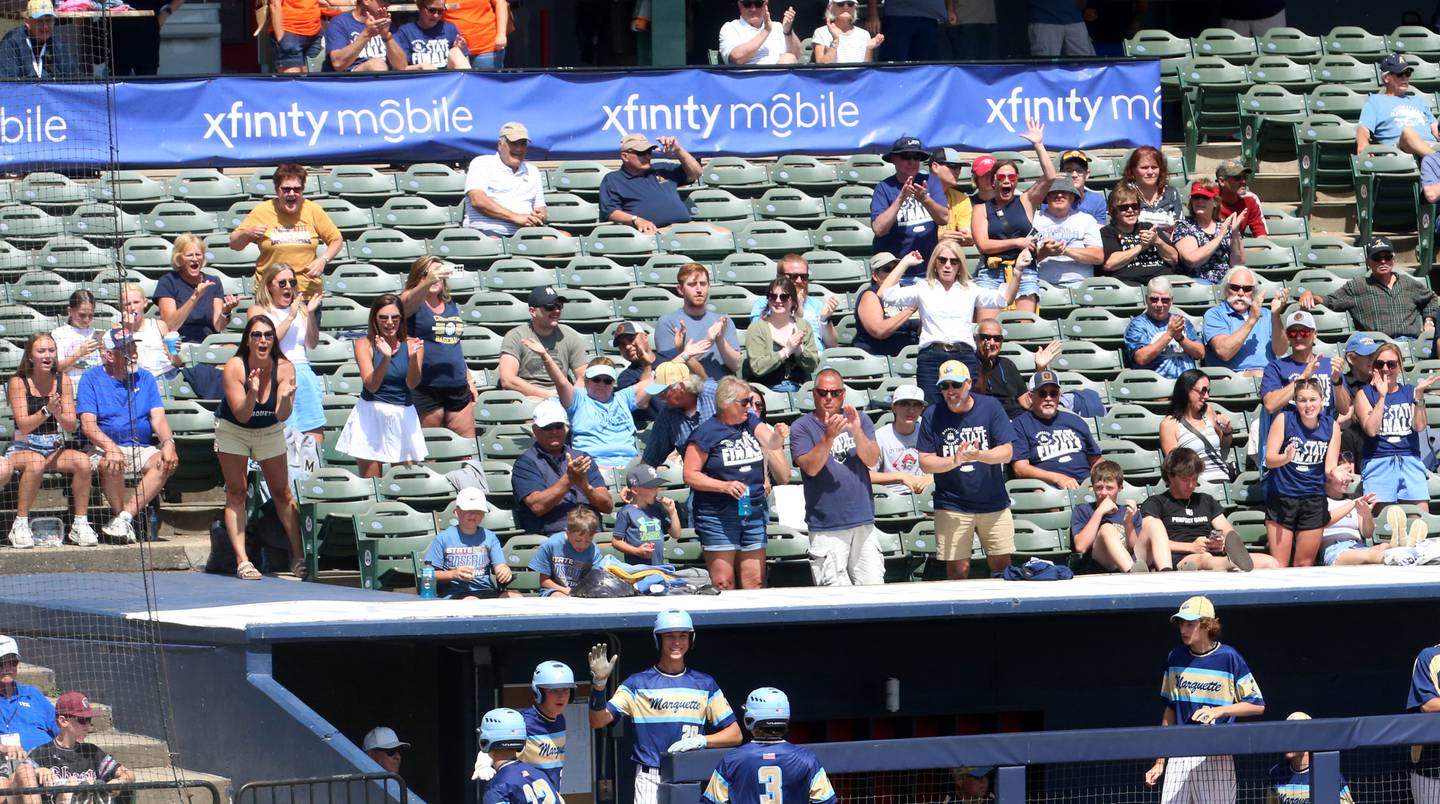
(1361, 344)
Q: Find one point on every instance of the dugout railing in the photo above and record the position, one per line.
(1104, 766)
(350, 788)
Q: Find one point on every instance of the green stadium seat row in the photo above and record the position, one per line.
(1413, 41)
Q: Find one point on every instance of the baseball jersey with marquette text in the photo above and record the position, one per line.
(666, 708)
(544, 744)
(1218, 677)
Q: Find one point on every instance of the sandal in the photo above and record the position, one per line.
(247, 572)
(297, 568)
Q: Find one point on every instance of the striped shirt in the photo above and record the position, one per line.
(666, 708)
(1219, 677)
(1398, 311)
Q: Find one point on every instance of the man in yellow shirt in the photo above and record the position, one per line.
(945, 164)
(288, 229)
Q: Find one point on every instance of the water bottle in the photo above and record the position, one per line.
(743, 505)
(427, 581)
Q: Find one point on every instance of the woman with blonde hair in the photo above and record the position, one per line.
(192, 302)
(296, 332)
(947, 301)
(840, 40)
(149, 334)
(445, 396)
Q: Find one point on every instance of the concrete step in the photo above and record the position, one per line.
(162, 555)
(134, 751)
(42, 678)
(180, 795)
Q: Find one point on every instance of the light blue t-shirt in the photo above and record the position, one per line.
(1093, 203)
(695, 329)
(1254, 354)
(453, 549)
(1386, 116)
(563, 563)
(1172, 361)
(604, 430)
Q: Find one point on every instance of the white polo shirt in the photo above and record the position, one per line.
(520, 190)
(737, 32)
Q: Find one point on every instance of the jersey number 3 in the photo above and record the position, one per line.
(770, 791)
(540, 792)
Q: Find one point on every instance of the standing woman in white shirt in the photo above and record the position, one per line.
(947, 300)
(754, 38)
(840, 40)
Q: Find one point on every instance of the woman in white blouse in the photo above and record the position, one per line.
(840, 40)
(947, 300)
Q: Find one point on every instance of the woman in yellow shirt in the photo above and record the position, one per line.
(289, 229)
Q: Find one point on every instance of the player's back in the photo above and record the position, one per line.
(521, 783)
(769, 771)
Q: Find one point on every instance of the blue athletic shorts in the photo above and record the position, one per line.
(1396, 477)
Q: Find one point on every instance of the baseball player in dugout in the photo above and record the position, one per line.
(673, 707)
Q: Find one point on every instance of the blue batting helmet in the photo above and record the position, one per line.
(671, 621)
(766, 705)
(551, 676)
(502, 728)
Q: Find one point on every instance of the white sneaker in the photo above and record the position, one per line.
(20, 534)
(82, 534)
(120, 529)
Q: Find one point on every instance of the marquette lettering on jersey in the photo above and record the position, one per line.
(771, 773)
(544, 744)
(1217, 678)
(666, 708)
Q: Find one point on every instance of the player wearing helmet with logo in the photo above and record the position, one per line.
(502, 735)
(671, 704)
(553, 684)
(768, 768)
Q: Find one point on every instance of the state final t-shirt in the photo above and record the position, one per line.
(974, 487)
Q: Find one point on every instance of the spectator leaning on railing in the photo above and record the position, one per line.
(32, 52)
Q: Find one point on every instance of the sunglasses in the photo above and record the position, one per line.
(84, 721)
(286, 283)
(989, 338)
(1382, 257)
(389, 752)
(262, 334)
(1048, 393)
(797, 277)
(830, 392)
(752, 3)
(1298, 332)
(1387, 364)
(289, 190)
(947, 260)
(951, 386)
(601, 380)
(747, 402)
(1241, 288)
(779, 296)
(437, 10)
(1128, 208)
(1160, 299)
(387, 318)
(1202, 390)
(554, 308)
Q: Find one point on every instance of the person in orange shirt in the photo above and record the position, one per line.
(484, 25)
(295, 33)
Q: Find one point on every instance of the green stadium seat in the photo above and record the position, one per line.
(1387, 190)
(664, 269)
(735, 302)
(517, 276)
(1026, 328)
(849, 236)
(1283, 227)
(28, 227)
(619, 242)
(894, 513)
(207, 188)
(330, 353)
(1325, 143)
(229, 262)
(1172, 51)
(1033, 541)
(390, 249)
(543, 244)
(601, 276)
(1283, 71)
(328, 498)
(1132, 422)
(1269, 260)
(1357, 43)
(105, 286)
(1191, 297)
(580, 178)
(193, 427)
(1209, 87)
(1140, 464)
(1226, 44)
(363, 282)
(571, 213)
(701, 240)
(1346, 70)
(804, 172)
(494, 310)
(210, 354)
(1039, 503)
(344, 381)
(588, 313)
(1415, 41)
(14, 261)
(1426, 75)
(173, 218)
(132, 190)
(103, 224)
(837, 271)
(53, 192)
(772, 238)
(499, 406)
(1292, 43)
(44, 291)
(1107, 292)
(647, 304)
(1097, 325)
(1326, 252)
(1087, 357)
(73, 257)
(867, 169)
(719, 206)
(470, 248)
(505, 441)
(447, 451)
(753, 271)
(481, 348)
(738, 176)
(351, 220)
(414, 216)
(791, 206)
(419, 487)
(387, 535)
(359, 184)
(433, 182)
(342, 314)
(1268, 114)
(337, 409)
(787, 557)
(850, 201)
(1142, 387)
(859, 368)
(237, 212)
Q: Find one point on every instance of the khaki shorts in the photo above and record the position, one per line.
(260, 443)
(955, 531)
(135, 457)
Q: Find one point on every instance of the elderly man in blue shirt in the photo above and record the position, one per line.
(1159, 339)
(643, 194)
(1241, 334)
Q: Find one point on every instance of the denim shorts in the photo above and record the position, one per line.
(295, 49)
(990, 273)
(1332, 552)
(724, 530)
(45, 444)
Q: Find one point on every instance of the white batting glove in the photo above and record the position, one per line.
(484, 767)
(694, 742)
(602, 664)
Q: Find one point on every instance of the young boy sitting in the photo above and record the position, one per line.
(564, 558)
(641, 525)
(502, 735)
(1104, 533)
(467, 558)
(1192, 523)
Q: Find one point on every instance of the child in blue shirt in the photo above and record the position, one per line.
(641, 525)
(467, 558)
(564, 558)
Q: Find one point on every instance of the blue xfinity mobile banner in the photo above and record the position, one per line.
(455, 115)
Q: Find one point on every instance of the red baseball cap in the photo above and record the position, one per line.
(74, 704)
(982, 165)
(1201, 190)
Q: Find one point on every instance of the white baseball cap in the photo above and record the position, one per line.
(471, 499)
(600, 370)
(383, 737)
(550, 412)
(907, 393)
(8, 647)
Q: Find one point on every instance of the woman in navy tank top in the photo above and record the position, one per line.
(1301, 448)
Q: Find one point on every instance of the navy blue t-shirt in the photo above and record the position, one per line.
(1062, 444)
(653, 196)
(971, 488)
(197, 326)
(535, 471)
(1080, 517)
(632, 524)
(838, 497)
(444, 365)
(914, 227)
(340, 32)
(1303, 475)
(1396, 435)
(732, 452)
(430, 46)
(1282, 371)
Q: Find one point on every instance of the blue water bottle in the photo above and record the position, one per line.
(742, 505)
(427, 581)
